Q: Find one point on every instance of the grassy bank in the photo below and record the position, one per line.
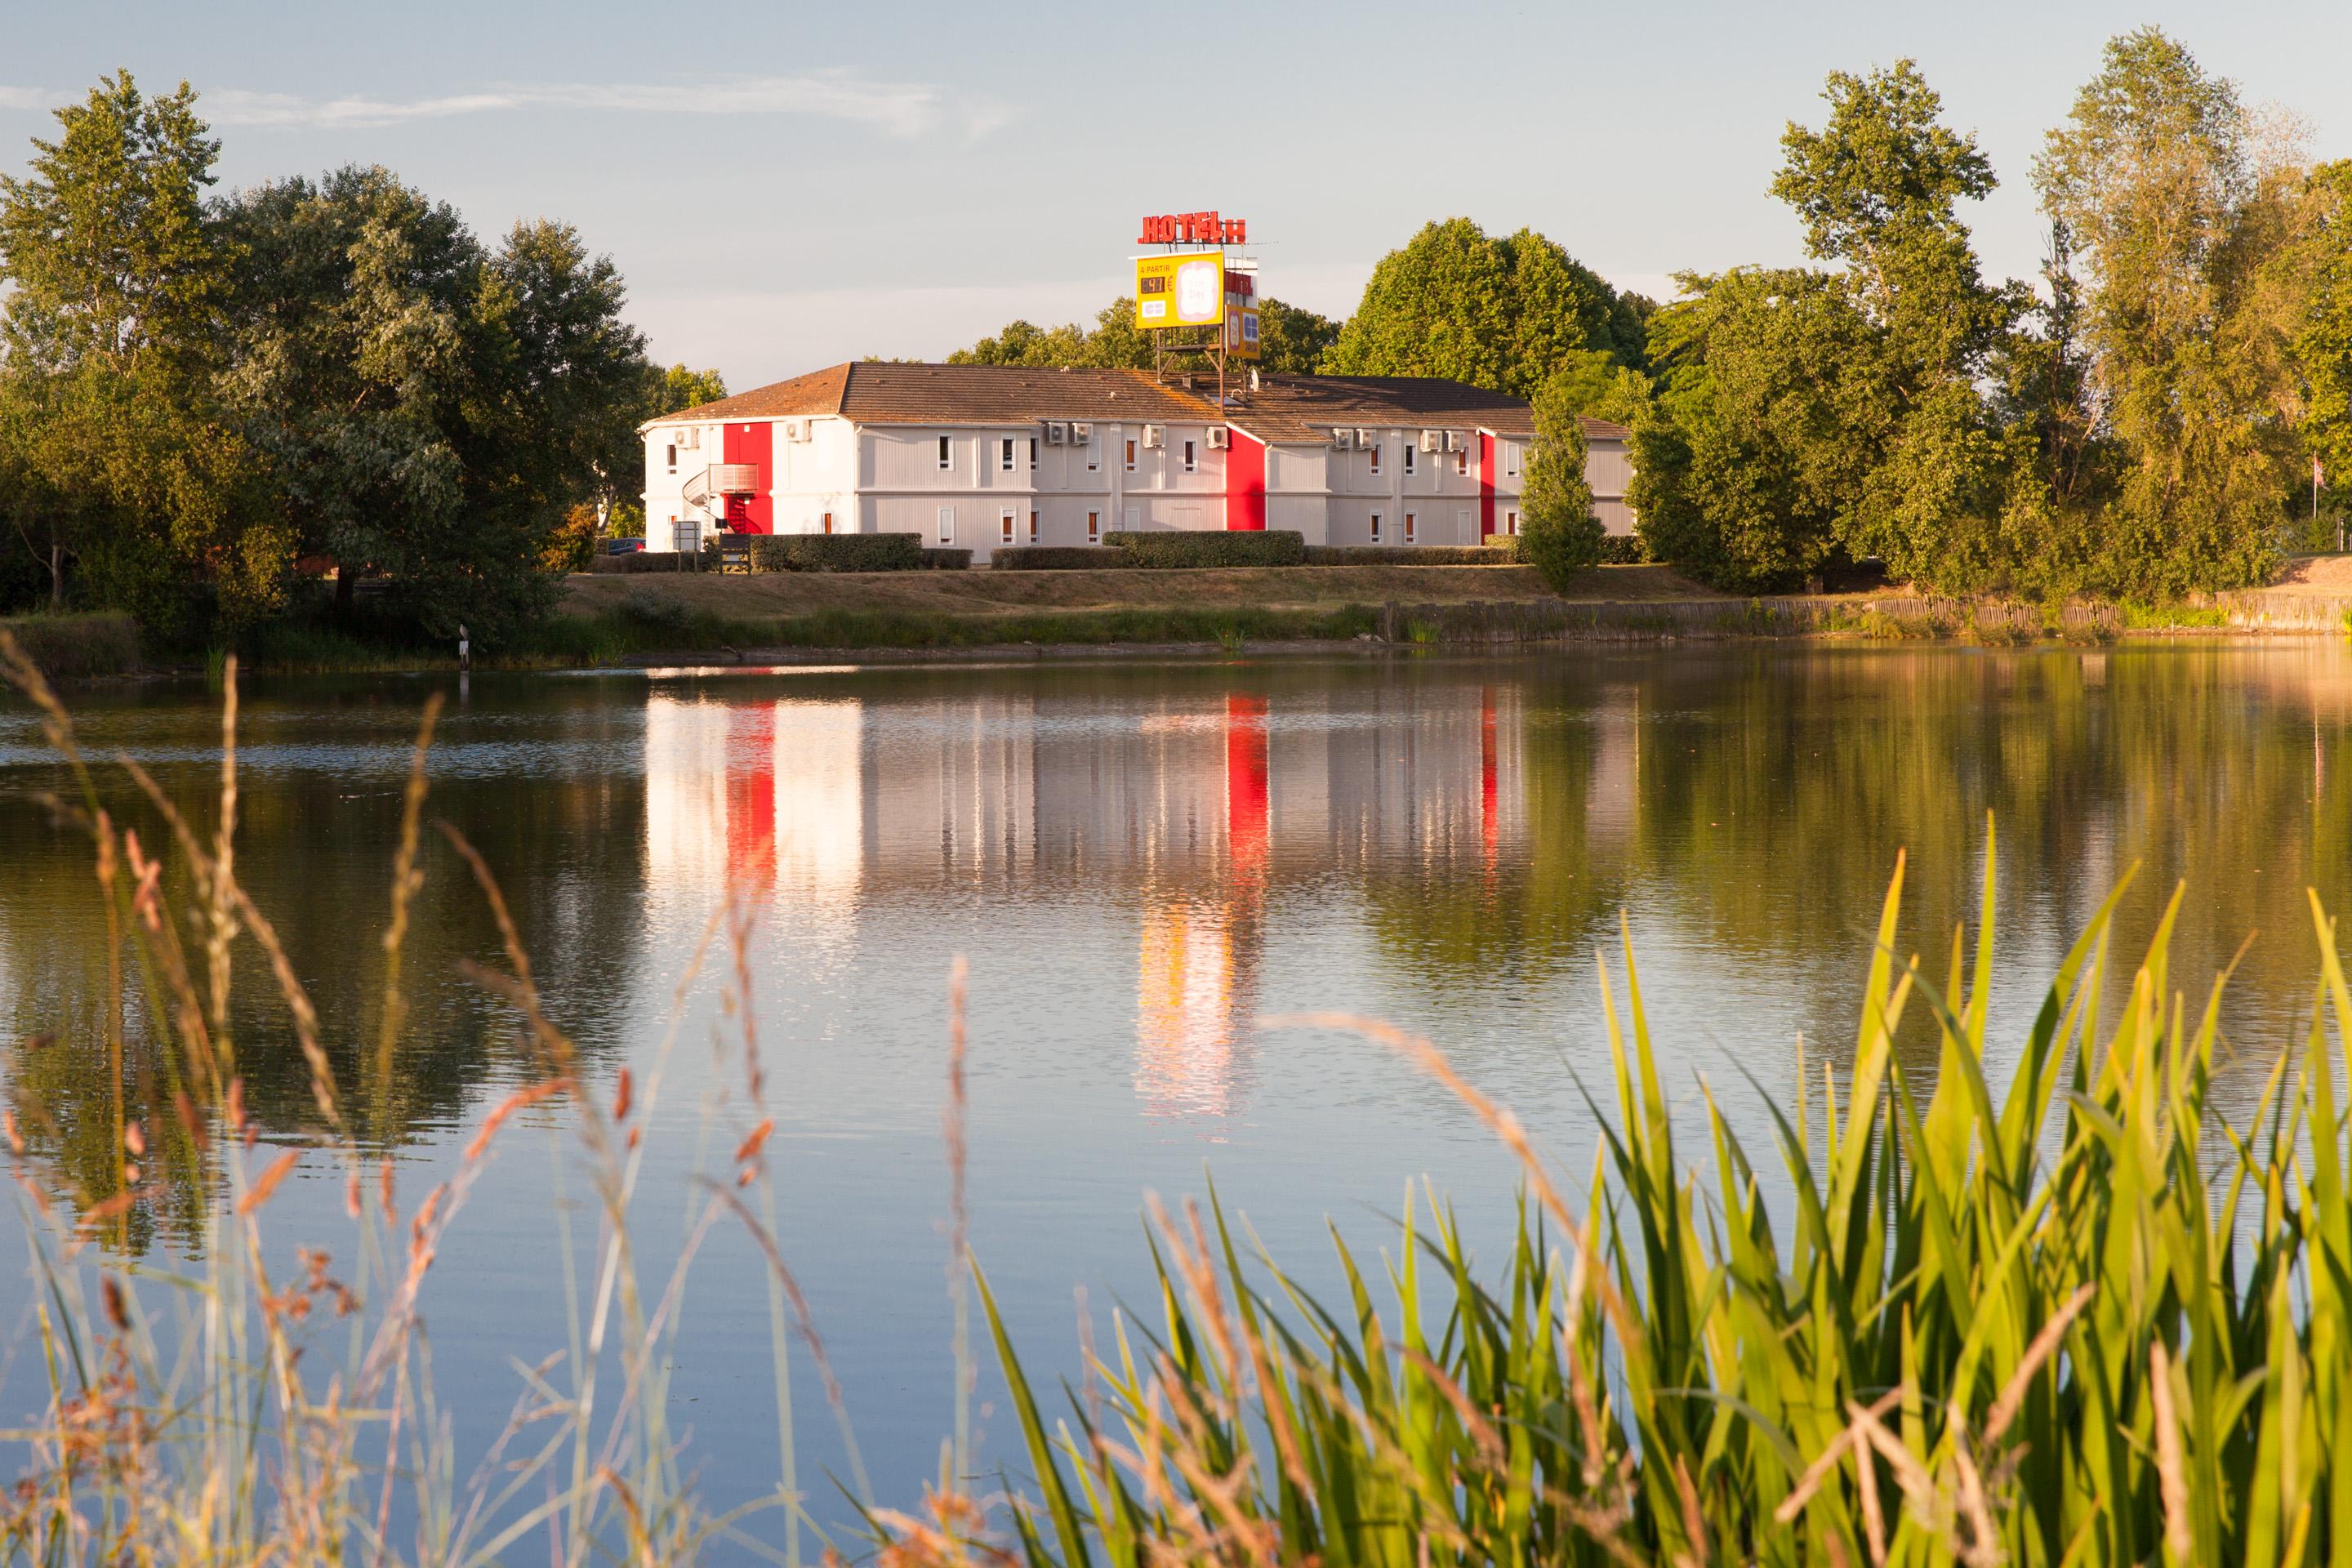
(2077, 1320)
(72, 646)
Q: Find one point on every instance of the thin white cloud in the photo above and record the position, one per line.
(893, 108)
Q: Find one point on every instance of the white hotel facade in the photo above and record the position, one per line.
(980, 456)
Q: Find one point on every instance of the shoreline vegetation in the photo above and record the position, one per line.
(656, 619)
(2077, 1320)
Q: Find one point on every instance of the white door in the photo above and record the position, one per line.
(1461, 533)
(1134, 519)
(947, 525)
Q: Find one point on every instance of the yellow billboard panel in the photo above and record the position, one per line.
(1241, 328)
(1180, 290)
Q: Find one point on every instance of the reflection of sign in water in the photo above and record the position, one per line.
(1197, 971)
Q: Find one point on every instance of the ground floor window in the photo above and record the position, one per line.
(1007, 528)
(1376, 528)
(1032, 527)
(1412, 523)
(828, 522)
(1511, 523)
(1094, 528)
(947, 522)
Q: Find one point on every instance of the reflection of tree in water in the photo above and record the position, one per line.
(317, 838)
(1774, 787)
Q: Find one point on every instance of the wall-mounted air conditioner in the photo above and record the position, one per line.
(1457, 440)
(1155, 435)
(1432, 440)
(1342, 440)
(792, 428)
(1056, 433)
(1367, 439)
(1081, 433)
(1219, 437)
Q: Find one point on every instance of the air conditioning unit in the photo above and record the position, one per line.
(1457, 440)
(1432, 440)
(1219, 437)
(1367, 439)
(793, 428)
(1342, 440)
(1056, 433)
(1081, 433)
(1155, 435)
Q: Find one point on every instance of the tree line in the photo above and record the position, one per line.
(2166, 409)
(220, 408)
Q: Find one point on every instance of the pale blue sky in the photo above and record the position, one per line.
(789, 185)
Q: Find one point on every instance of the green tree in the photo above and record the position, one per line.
(1559, 535)
(2180, 212)
(1456, 303)
(1591, 383)
(1291, 338)
(1748, 449)
(2323, 344)
(116, 275)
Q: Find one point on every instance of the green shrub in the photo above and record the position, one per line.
(1411, 554)
(63, 646)
(1188, 547)
(937, 558)
(1059, 558)
(837, 552)
(1624, 549)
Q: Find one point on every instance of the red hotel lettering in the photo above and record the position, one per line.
(1195, 228)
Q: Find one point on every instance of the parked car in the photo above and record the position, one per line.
(623, 546)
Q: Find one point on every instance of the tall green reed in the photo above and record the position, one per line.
(2078, 1323)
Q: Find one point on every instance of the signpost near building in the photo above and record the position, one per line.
(1192, 297)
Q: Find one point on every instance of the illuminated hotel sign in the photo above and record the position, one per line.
(1194, 228)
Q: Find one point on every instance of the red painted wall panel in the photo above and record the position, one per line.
(1245, 484)
(1485, 487)
(754, 443)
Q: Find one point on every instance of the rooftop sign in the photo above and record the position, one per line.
(1195, 228)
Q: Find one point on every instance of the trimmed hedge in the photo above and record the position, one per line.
(939, 558)
(1411, 554)
(1180, 547)
(1622, 550)
(651, 560)
(1059, 558)
(833, 551)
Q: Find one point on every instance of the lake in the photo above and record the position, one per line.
(1138, 861)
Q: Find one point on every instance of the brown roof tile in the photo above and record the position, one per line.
(819, 392)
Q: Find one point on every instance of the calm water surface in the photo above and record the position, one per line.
(1139, 862)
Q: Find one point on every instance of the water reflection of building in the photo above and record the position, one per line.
(1194, 812)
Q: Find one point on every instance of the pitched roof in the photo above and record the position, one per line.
(1284, 409)
(889, 392)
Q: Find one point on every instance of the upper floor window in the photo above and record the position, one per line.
(1408, 460)
(946, 453)
(1462, 461)
(1131, 454)
(1377, 443)
(1007, 461)
(1033, 454)
(1188, 456)
(1511, 457)
(673, 456)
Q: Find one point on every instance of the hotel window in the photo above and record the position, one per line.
(1377, 443)
(1409, 519)
(1094, 460)
(1007, 533)
(1131, 454)
(946, 454)
(1376, 528)
(1188, 456)
(1462, 461)
(673, 456)
(1511, 522)
(1094, 528)
(828, 522)
(1408, 460)
(1511, 457)
(947, 525)
(1033, 454)
(1008, 455)
(1032, 527)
